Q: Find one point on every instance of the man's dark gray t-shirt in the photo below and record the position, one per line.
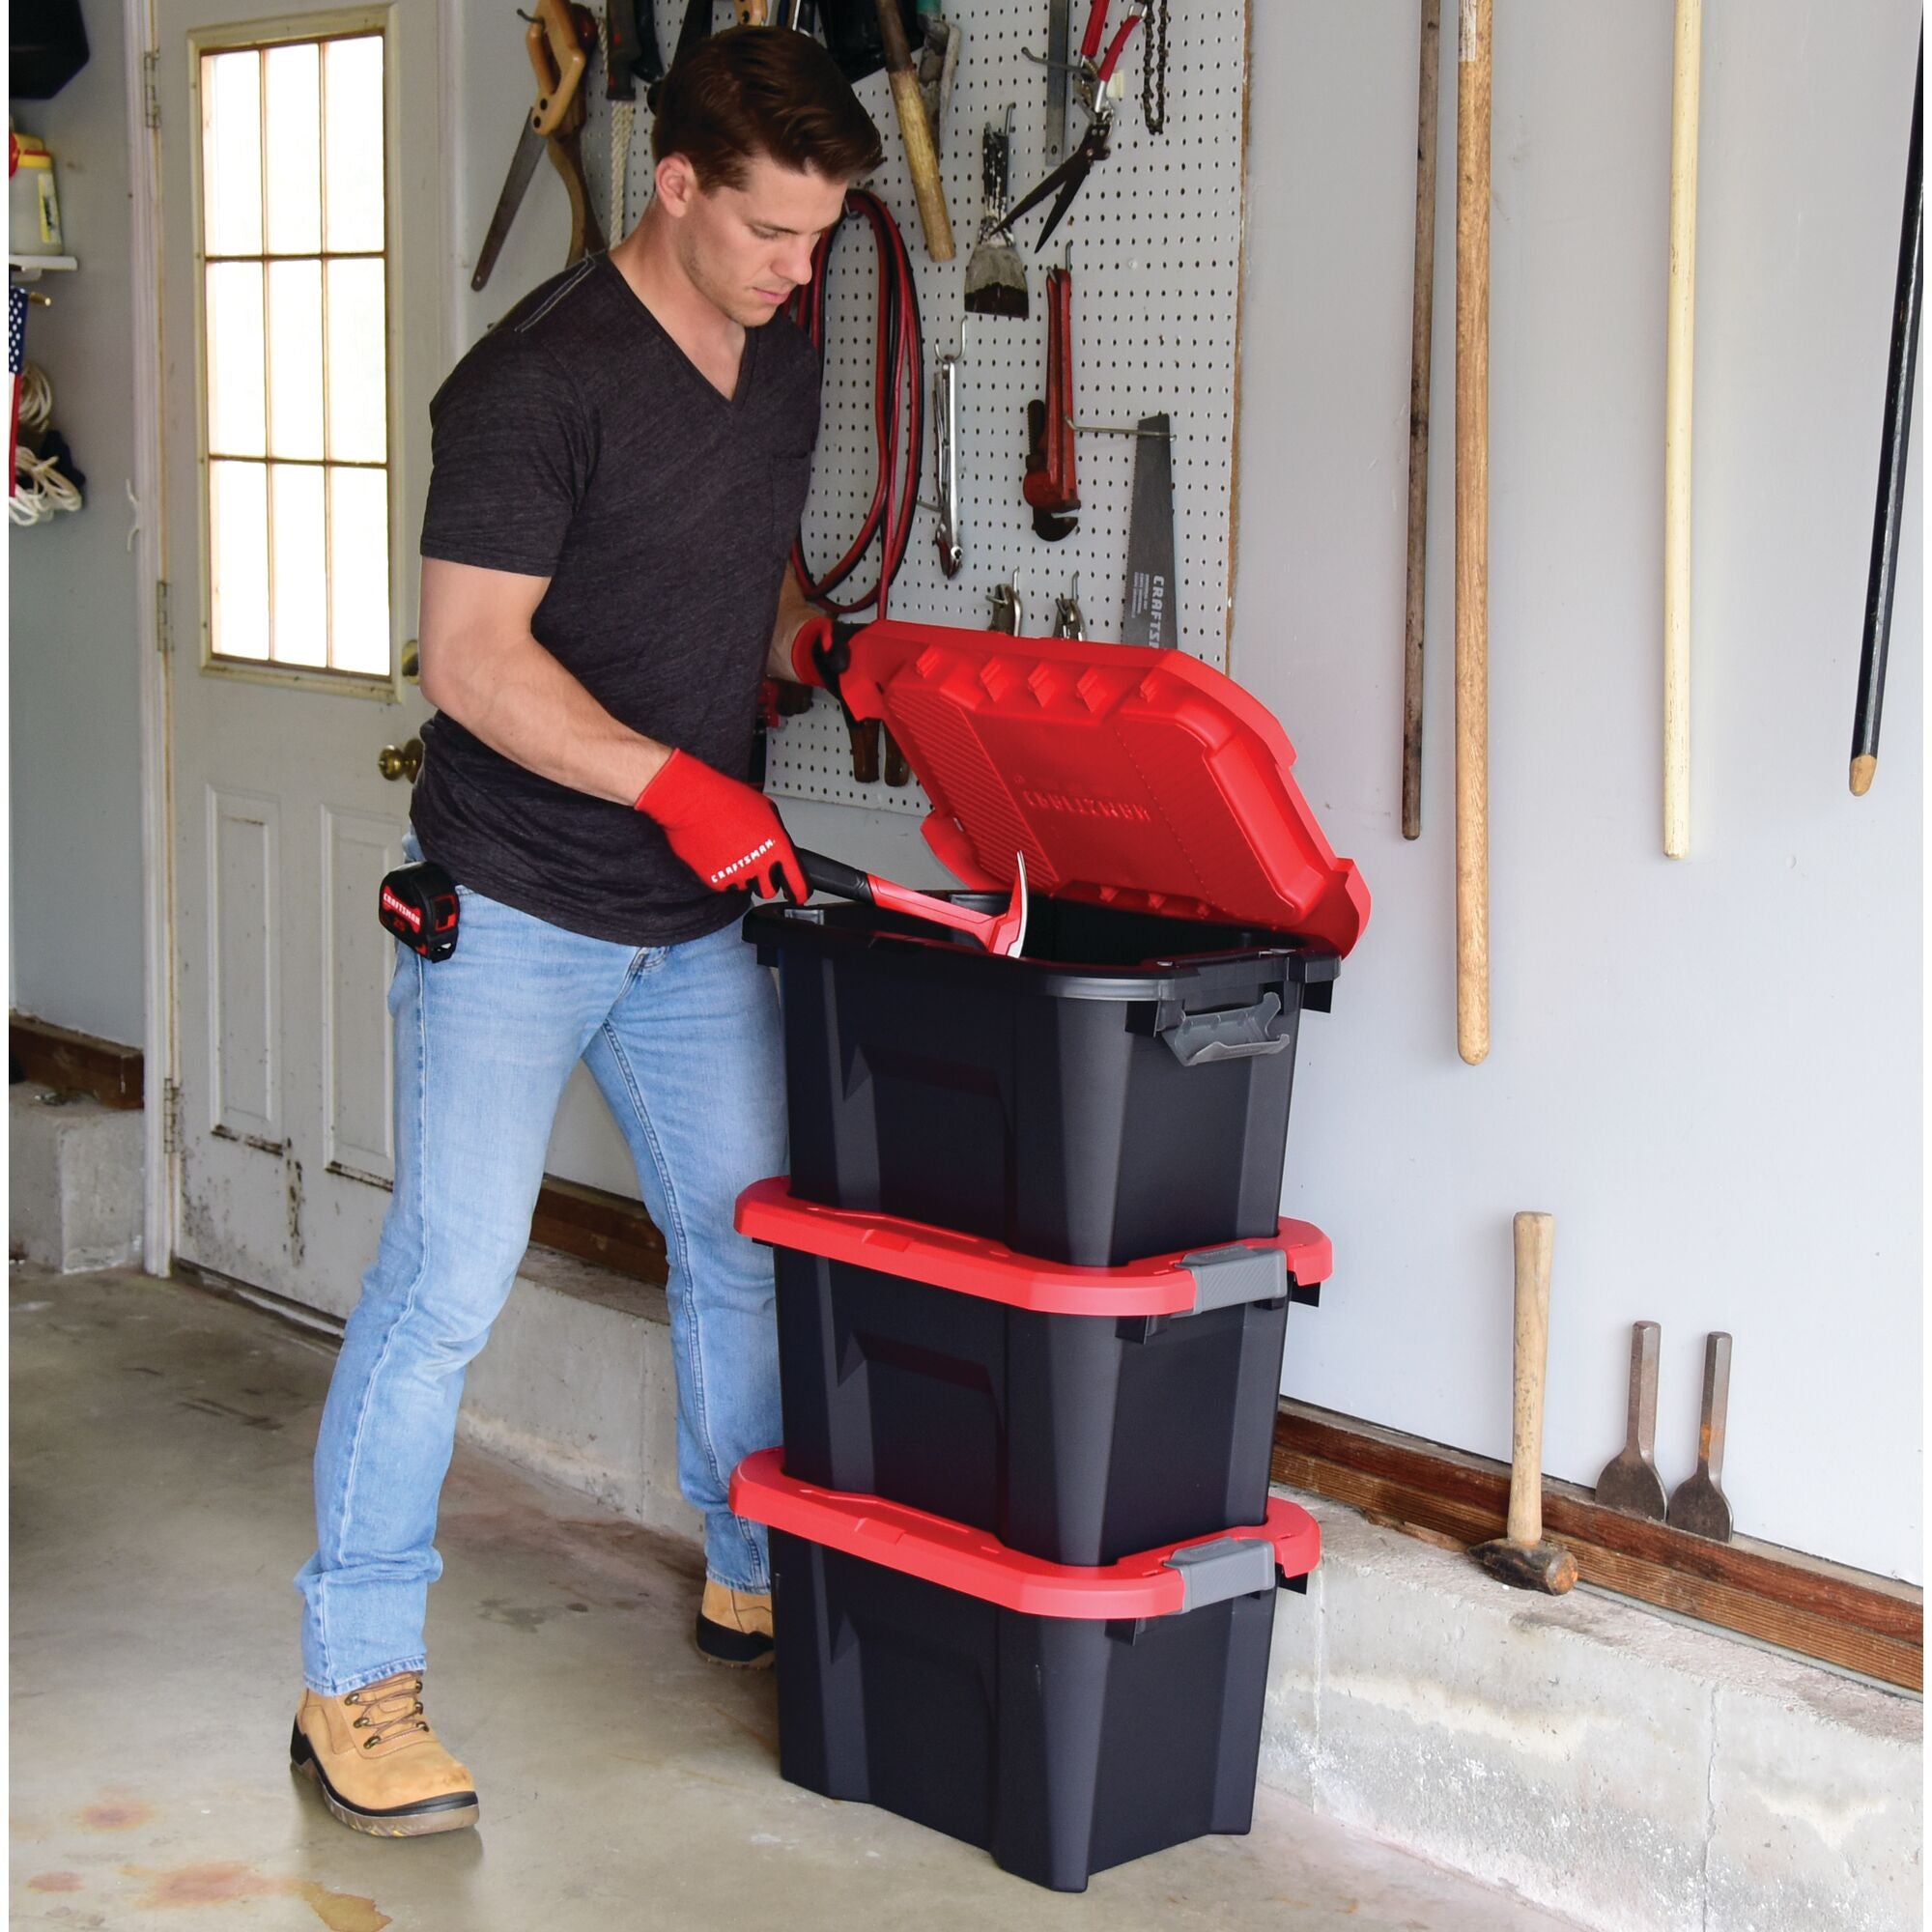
(577, 441)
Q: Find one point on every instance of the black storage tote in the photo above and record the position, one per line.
(1078, 1414)
(1066, 1720)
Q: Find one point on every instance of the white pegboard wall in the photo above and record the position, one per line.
(1157, 239)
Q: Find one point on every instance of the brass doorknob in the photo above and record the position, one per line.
(401, 761)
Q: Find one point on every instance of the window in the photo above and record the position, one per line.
(295, 348)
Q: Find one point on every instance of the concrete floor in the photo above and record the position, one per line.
(160, 1443)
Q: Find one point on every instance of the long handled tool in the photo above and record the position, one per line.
(1423, 325)
(1886, 521)
(1629, 1481)
(1522, 1558)
(1679, 347)
(1472, 533)
(1698, 1504)
(916, 131)
(1000, 934)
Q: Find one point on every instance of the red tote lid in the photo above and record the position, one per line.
(1139, 779)
(1158, 1582)
(1178, 1284)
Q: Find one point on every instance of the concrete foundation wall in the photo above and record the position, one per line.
(1631, 1771)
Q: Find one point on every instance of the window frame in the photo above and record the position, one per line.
(342, 23)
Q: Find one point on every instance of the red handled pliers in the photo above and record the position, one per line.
(1094, 71)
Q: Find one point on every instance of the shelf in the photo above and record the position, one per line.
(30, 268)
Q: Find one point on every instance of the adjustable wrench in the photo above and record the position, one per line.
(945, 461)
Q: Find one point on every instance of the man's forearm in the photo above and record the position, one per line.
(521, 702)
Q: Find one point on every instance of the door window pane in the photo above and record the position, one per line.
(295, 358)
(293, 149)
(295, 352)
(300, 611)
(352, 97)
(231, 153)
(358, 570)
(358, 391)
(239, 563)
(236, 393)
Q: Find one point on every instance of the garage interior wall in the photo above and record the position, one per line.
(1707, 1069)
(73, 604)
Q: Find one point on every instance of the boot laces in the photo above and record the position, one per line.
(389, 1710)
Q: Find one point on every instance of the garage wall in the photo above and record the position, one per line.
(74, 846)
(1709, 1070)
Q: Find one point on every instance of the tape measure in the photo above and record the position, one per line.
(418, 904)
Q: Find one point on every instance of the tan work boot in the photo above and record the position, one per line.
(379, 1766)
(734, 1627)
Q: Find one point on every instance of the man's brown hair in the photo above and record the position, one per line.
(762, 91)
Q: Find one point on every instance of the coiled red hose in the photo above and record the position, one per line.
(898, 409)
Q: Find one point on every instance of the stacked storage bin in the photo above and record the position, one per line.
(1031, 1284)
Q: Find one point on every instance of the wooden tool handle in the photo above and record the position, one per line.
(1472, 533)
(1424, 322)
(1679, 339)
(557, 58)
(916, 131)
(1535, 1238)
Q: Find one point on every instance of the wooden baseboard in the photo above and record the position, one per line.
(1824, 1611)
(595, 1226)
(76, 1062)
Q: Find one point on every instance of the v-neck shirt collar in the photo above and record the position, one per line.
(647, 317)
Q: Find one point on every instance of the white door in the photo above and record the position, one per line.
(307, 184)
(302, 231)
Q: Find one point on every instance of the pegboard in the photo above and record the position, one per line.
(1157, 244)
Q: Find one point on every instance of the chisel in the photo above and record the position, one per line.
(1629, 1481)
(1699, 1504)
(1151, 616)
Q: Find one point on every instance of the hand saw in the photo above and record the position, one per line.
(558, 52)
(1152, 614)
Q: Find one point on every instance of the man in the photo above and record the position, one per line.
(619, 466)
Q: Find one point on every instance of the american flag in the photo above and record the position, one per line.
(16, 362)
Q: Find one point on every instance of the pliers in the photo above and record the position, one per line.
(1092, 73)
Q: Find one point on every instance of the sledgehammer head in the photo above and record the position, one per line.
(1528, 1566)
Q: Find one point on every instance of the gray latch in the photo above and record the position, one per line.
(1238, 1033)
(1230, 1566)
(1227, 1277)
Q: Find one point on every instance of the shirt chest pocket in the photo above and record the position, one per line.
(790, 485)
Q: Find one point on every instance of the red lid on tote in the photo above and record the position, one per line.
(1144, 780)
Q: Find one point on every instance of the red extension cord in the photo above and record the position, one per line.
(898, 409)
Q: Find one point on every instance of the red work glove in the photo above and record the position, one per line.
(725, 832)
(820, 651)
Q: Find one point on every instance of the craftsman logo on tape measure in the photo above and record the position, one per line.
(407, 913)
(1088, 807)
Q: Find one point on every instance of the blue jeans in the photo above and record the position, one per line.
(684, 1042)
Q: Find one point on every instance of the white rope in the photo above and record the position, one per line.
(623, 116)
(36, 398)
(39, 490)
(42, 491)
